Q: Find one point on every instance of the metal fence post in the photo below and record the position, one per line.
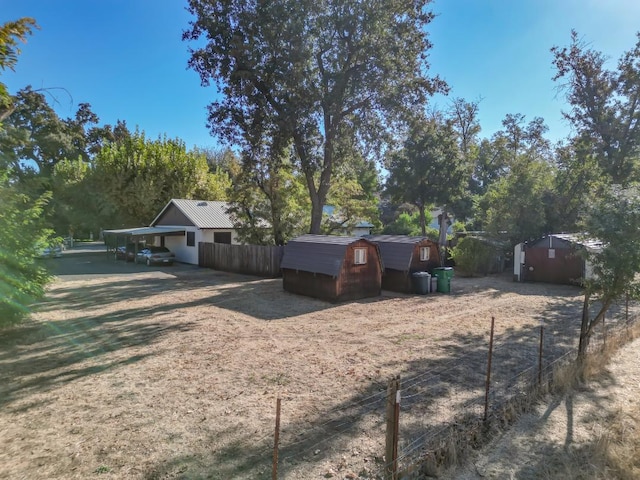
(488, 383)
(274, 472)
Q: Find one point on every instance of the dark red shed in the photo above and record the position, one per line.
(555, 258)
(402, 256)
(332, 268)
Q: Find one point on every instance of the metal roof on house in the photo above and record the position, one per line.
(203, 213)
(364, 224)
(317, 253)
(396, 250)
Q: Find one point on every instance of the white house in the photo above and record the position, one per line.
(201, 220)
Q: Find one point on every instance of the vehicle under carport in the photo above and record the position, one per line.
(121, 237)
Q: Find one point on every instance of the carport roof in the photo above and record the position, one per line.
(145, 231)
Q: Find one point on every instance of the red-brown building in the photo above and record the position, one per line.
(332, 268)
(402, 256)
(556, 258)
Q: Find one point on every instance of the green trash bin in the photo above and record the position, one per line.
(444, 275)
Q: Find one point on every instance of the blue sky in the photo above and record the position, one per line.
(126, 57)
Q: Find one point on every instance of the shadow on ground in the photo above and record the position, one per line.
(433, 390)
(67, 350)
(435, 393)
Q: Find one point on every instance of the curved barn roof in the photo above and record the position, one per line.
(397, 250)
(317, 253)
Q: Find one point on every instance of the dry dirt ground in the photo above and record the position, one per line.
(130, 372)
(586, 433)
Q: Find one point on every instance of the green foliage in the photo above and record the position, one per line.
(409, 224)
(613, 218)
(429, 169)
(577, 181)
(605, 106)
(74, 197)
(518, 181)
(11, 33)
(34, 133)
(516, 205)
(314, 75)
(269, 205)
(354, 196)
(22, 279)
(472, 256)
(136, 177)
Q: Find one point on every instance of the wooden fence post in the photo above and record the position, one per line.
(540, 355)
(626, 308)
(488, 383)
(274, 472)
(393, 420)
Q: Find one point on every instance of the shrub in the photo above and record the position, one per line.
(472, 256)
(22, 279)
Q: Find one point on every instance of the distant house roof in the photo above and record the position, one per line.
(364, 224)
(330, 211)
(202, 213)
(317, 253)
(396, 250)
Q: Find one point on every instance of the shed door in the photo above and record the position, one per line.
(561, 266)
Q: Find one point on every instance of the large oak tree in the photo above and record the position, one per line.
(605, 105)
(312, 74)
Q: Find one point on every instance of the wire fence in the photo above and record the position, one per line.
(442, 411)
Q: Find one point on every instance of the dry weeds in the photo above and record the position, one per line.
(588, 428)
(174, 373)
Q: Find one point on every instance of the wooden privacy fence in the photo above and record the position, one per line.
(260, 260)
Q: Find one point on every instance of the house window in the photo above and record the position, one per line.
(191, 239)
(360, 256)
(222, 237)
(552, 253)
(424, 254)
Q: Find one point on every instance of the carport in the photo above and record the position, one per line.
(117, 238)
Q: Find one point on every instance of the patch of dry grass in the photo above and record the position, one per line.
(588, 427)
(614, 450)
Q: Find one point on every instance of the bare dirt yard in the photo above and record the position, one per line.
(588, 432)
(131, 372)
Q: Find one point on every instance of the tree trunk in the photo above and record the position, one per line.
(318, 199)
(442, 238)
(318, 196)
(316, 213)
(584, 328)
(587, 326)
(423, 220)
